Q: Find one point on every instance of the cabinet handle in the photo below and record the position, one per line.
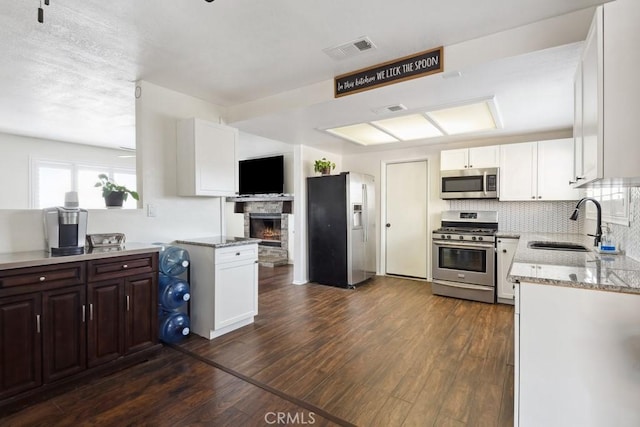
(255, 262)
(127, 302)
(465, 166)
(43, 278)
(572, 182)
(237, 253)
(125, 266)
(37, 323)
(470, 166)
(504, 251)
(533, 197)
(84, 313)
(90, 311)
(539, 197)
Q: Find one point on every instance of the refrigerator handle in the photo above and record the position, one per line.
(365, 213)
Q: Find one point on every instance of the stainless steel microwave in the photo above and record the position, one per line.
(470, 184)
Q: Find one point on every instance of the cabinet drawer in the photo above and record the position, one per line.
(236, 253)
(64, 274)
(110, 268)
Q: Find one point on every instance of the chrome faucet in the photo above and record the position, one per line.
(574, 216)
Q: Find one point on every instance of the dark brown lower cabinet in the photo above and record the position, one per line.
(141, 313)
(58, 325)
(20, 345)
(64, 332)
(105, 321)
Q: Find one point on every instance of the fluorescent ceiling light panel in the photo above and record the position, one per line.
(465, 118)
(363, 133)
(408, 128)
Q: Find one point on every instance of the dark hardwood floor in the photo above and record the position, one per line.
(385, 354)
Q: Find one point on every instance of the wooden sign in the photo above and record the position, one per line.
(409, 67)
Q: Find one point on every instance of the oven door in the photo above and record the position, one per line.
(462, 262)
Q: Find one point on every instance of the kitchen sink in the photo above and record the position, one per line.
(558, 246)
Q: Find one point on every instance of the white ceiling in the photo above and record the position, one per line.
(72, 78)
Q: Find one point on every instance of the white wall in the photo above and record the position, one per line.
(19, 151)
(157, 111)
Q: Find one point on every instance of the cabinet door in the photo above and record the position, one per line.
(518, 165)
(454, 159)
(577, 126)
(506, 250)
(141, 322)
(105, 324)
(206, 159)
(555, 158)
(591, 102)
(20, 344)
(64, 332)
(236, 292)
(484, 157)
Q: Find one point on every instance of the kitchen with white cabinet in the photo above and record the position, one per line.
(184, 179)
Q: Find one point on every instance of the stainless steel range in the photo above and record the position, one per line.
(464, 256)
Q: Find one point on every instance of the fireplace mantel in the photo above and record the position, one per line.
(260, 199)
(239, 202)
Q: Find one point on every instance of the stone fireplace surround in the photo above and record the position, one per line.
(269, 255)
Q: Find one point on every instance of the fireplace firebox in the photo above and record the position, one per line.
(267, 227)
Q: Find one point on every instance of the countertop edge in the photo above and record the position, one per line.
(13, 260)
(218, 241)
(583, 270)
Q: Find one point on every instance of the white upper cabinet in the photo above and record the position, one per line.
(470, 158)
(537, 171)
(607, 106)
(206, 159)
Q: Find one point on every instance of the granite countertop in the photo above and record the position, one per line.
(589, 270)
(38, 258)
(219, 241)
(508, 235)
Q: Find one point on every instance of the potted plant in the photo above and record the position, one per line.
(114, 194)
(323, 166)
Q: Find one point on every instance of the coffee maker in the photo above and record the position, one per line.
(65, 228)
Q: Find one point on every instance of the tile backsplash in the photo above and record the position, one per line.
(546, 217)
(553, 217)
(628, 238)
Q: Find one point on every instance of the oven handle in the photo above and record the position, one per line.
(463, 285)
(463, 244)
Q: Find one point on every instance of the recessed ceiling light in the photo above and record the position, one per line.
(465, 118)
(363, 133)
(407, 128)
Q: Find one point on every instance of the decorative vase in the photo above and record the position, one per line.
(114, 199)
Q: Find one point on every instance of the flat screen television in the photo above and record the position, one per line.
(264, 175)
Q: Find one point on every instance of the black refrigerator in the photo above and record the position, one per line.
(341, 229)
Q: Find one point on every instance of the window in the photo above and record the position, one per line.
(614, 202)
(51, 180)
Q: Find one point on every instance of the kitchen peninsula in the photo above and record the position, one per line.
(577, 335)
(224, 283)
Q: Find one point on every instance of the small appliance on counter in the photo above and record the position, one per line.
(65, 227)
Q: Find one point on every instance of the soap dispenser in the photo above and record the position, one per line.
(607, 244)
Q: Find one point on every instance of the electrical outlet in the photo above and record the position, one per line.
(151, 210)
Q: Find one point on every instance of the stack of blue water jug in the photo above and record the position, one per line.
(173, 294)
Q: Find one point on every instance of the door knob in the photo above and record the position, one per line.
(388, 225)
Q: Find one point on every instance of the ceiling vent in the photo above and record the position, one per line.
(352, 48)
(389, 109)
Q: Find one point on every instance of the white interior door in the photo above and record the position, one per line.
(406, 219)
